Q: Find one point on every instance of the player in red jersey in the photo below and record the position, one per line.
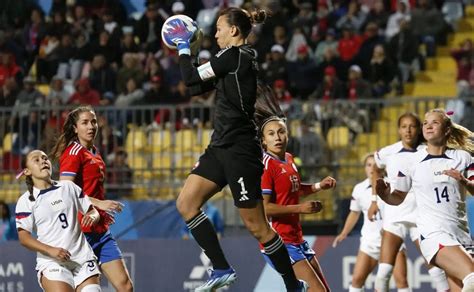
(80, 161)
(282, 188)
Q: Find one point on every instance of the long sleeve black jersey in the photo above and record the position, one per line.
(233, 72)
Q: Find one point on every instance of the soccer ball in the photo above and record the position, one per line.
(190, 24)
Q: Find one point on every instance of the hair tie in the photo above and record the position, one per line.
(450, 113)
(20, 174)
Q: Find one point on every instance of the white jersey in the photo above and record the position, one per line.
(440, 198)
(53, 217)
(392, 158)
(360, 202)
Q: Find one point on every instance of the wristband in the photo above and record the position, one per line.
(184, 49)
(374, 198)
(317, 187)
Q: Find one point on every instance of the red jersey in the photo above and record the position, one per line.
(88, 170)
(281, 180)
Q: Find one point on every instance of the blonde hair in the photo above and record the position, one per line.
(459, 136)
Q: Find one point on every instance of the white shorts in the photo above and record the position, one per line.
(74, 275)
(371, 248)
(402, 229)
(434, 242)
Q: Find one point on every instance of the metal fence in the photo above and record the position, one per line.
(162, 143)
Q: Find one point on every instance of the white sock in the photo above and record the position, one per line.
(468, 283)
(438, 277)
(404, 289)
(352, 289)
(382, 280)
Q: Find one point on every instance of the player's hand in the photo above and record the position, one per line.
(196, 43)
(310, 207)
(456, 174)
(338, 239)
(327, 183)
(90, 218)
(178, 33)
(59, 254)
(373, 210)
(111, 207)
(382, 188)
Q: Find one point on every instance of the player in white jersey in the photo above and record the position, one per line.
(399, 221)
(371, 234)
(65, 261)
(439, 176)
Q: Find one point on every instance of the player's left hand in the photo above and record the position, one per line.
(111, 206)
(90, 218)
(327, 183)
(456, 174)
(382, 188)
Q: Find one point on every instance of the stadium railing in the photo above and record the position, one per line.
(163, 142)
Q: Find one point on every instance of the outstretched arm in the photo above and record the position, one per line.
(325, 184)
(351, 221)
(457, 175)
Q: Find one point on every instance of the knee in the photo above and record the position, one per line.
(400, 279)
(125, 286)
(357, 281)
(262, 232)
(184, 208)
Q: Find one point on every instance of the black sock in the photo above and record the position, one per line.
(205, 235)
(278, 254)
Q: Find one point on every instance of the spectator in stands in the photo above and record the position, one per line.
(282, 94)
(65, 53)
(33, 34)
(84, 94)
(132, 94)
(280, 37)
(148, 28)
(26, 121)
(403, 49)
(296, 43)
(429, 25)
(371, 39)
(276, 65)
(82, 23)
(101, 76)
(153, 68)
(377, 14)
(357, 87)
(83, 54)
(330, 88)
(354, 18)
(464, 56)
(57, 93)
(329, 42)
(393, 24)
(103, 46)
(330, 58)
(9, 69)
(7, 224)
(131, 69)
(119, 176)
(381, 72)
(47, 60)
(14, 13)
(349, 44)
(127, 43)
(108, 23)
(312, 148)
(305, 18)
(58, 25)
(8, 93)
(303, 73)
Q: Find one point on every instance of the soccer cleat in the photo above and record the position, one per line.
(218, 279)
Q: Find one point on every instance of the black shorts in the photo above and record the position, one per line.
(239, 166)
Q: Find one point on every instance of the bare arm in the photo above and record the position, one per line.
(383, 190)
(308, 207)
(33, 244)
(351, 221)
(457, 175)
(325, 184)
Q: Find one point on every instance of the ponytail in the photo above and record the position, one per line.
(459, 136)
(267, 108)
(68, 133)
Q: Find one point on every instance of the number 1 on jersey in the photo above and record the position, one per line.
(242, 186)
(444, 194)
